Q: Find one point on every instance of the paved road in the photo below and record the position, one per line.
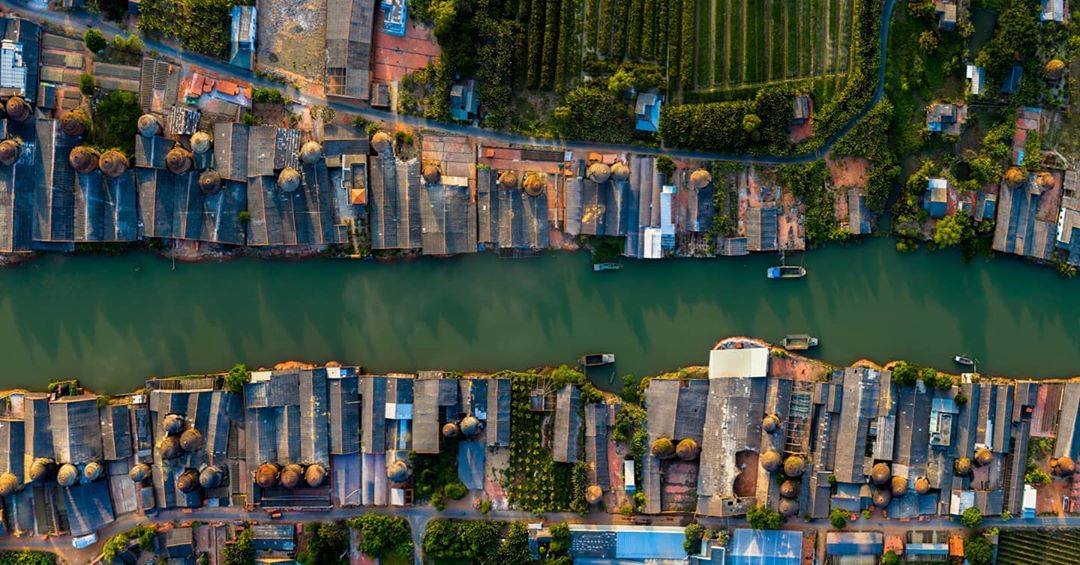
(80, 21)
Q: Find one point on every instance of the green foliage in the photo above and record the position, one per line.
(590, 114)
(1039, 447)
(328, 543)
(240, 551)
(113, 10)
(455, 490)
(116, 121)
(476, 541)
(495, 70)
(515, 546)
(485, 506)
(978, 550)
(763, 518)
(202, 26)
(579, 481)
(838, 518)
(869, 140)
(27, 557)
(244, 217)
(950, 230)
(1016, 36)
(534, 482)
(960, 399)
(693, 532)
(270, 96)
(807, 182)
(95, 40)
(383, 536)
(239, 374)
(734, 126)
(665, 166)
(971, 518)
(143, 536)
(87, 85)
(890, 558)
(628, 418)
(1036, 477)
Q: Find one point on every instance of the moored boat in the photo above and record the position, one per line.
(606, 267)
(964, 360)
(799, 342)
(598, 359)
(786, 272)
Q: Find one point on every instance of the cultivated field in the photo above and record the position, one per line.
(1038, 547)
(751, 42)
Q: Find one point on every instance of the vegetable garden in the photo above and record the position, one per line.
(1042, 547)
(743, 43)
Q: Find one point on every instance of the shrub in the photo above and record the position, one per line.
(591, 114)
(383, 536)
(438, 500)
(764, 518)
(838, 518)
(95, 40)
(239, 552)
(86, 84)
(27, 557)
(484, 506)
(239, 374)
(971, 518)
(890, 558)
(978, 551)
(116, 121)
(328, 544)
(694, 532)
(455, 490)
(270, 96)
(665, 166)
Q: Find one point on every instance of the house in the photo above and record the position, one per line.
(775, 547)
(1012, 79)
(854, 543)
(1054, 11)
(976, 79)
(802, 108)
(242, 46)
(936, 198)
(647, 111)
(394, 201)
(511, 216)
(738, 363)
(595, 205)
(463, 100)
(626, 544)
(642, 210)
(348, 48)
(396, 13)
(946, 118)
(565, 444)
(20, 42)
(947, 12)
(667, 226)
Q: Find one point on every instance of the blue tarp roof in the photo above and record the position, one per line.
(765, 547)
(649, 544)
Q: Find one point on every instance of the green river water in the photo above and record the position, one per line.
(113, 321)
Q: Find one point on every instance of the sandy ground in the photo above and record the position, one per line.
(393, 57)
(292, 37)
(848, 172)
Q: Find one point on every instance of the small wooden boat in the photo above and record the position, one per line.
(963, 360)
(799, 342)
(606, 267)
(598, 359)
(786, 272)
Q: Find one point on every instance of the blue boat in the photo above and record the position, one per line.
(786, 272)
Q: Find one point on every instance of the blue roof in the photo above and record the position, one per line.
(936, 209)
(649, 544)
(1012, 80)
(647, 111)
(765, 547)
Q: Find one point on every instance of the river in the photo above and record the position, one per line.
(113, 321)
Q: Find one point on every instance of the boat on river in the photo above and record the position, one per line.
(606, 267)
(799, 342)
(964, 360)
(786, 272)
(598, 359)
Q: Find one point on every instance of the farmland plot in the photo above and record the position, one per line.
(747, 43)
(1038, 547)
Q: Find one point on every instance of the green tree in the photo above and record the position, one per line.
(928, 42)
(238, 376)
(328, 543)
(665, 166)
(515, 546)
(455, 490)
(750, 123)
(116, 121)
(694, 532)
(951, 230)
(890, 558)
(971, 518)
(978, 550)
(87, 85)
(763, 518)
(383, 536)
(620, 82)
(95, 40)
(240, 551)
(838, 518)
(588, 113)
